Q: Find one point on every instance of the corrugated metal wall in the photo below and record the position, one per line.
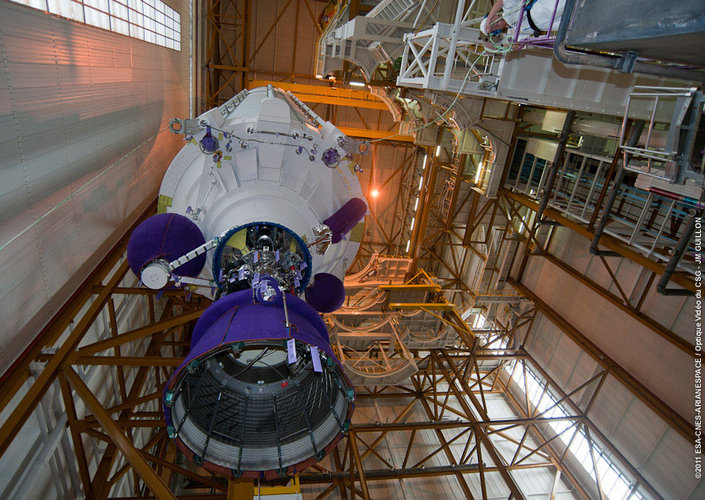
(83, 144)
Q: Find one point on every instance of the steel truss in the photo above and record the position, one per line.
(457, 216)
(227, 49)
(494, 230)
(107, 368)
(460, 225)
(121, 415)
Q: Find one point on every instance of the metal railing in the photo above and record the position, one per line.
(651, 222)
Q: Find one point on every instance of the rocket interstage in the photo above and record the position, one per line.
(263, 208)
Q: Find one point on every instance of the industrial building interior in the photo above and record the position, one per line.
(522, 317)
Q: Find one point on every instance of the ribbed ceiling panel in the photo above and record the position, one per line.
(83, 142)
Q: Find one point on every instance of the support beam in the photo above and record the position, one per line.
(494, 454)
(358, 465)
(17, 374)
(14, 422)
(132, 454)
(79, 449)
(449, 454)
(139, 333)
(679, 423)
(363, 133)
(657, 328)
(324, 94)
(606, 240)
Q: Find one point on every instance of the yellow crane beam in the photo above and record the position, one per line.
(327, 95)
(365, 133)
(361, 99)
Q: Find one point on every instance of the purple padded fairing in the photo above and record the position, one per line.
(238, 317)
(241, 321)
(168, 237)
(326, 294)
(346, 218)
(215, 311)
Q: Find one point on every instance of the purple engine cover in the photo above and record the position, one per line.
(168, 237)
(346, 218)
(326, 294)
(239, 317)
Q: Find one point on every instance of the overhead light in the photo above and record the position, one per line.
(319, 77)
(407, 246)
(477, 174)
(413, 219)
(374, 193)
(357, 84)
(420, 183)
(438, 151)
(423, 165)
(416, 203)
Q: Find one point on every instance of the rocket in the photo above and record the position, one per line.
(261, 210)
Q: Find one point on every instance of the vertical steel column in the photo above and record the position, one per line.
(358, 465)
(450, 55)
(592, 188)
(576, 184)
(519, 170)
(635, 133)
(557, 164)
(531, 175)
(662, 284)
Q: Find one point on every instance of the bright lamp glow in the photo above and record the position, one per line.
(374, 193)
(407, 246)
(357, 84)
(479, 171)
(438, 151)
(423, 165)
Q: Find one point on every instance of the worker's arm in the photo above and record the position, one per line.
(496, 7)
(494, 14)
(494, 18)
